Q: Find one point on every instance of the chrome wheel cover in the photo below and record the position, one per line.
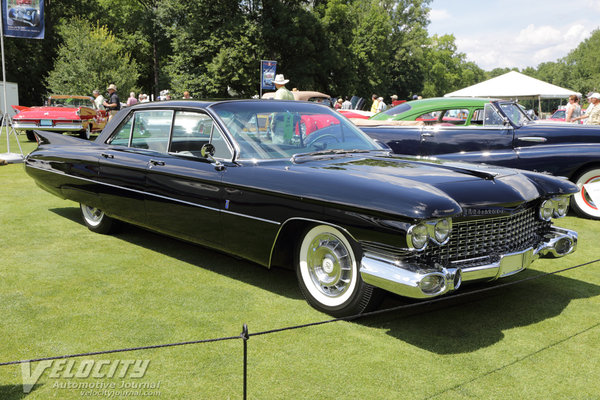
(586, 183)
(328, 266)
(93, 216)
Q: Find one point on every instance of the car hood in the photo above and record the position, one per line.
(412, 187)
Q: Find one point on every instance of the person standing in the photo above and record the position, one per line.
(113, 105)
(347, 104)
(131, 100)
(573, 109)
(592, 113)
(282, 92)
(98, 100)
(375, 104)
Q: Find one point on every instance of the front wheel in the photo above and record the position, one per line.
(327, 266)
(87, 132)
(589, 188)
(96, 220)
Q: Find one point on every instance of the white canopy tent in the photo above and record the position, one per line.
(514, 85)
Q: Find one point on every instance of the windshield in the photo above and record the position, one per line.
(280, 129)
(70, 102)
(515, 113)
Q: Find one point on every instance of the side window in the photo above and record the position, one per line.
(151, 130)
(491, 117)
(121, 136)
(192, 130)
(455, 116)
(477, 118)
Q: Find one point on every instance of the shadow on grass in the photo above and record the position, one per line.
(477, 320)
(451, 326)
(277, 280)
(15, 392)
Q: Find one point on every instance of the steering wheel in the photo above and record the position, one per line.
(314, 138)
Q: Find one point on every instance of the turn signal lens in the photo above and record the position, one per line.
(432, 284)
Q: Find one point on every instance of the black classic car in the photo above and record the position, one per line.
(496, 132)
(349, 216)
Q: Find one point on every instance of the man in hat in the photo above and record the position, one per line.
(282, 92)
(113, 104)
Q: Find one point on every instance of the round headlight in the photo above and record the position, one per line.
(547, 210)
(442, 231)
(561, 207)
(418, 236)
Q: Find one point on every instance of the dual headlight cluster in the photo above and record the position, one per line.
(436, 230)
(555, 207)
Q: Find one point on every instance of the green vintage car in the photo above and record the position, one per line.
(439, 110)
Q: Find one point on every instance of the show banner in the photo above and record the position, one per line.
(267, 74)
(23, 18)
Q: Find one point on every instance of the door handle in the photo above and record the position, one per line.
(426, 134)
(105, 155)
(535, 139)
(157, 162)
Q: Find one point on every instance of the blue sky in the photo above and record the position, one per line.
(513, 33)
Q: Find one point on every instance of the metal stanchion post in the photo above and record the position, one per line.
(245, 338)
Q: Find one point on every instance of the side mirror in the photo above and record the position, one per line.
(207, 150)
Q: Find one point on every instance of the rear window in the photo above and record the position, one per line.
(400, 108)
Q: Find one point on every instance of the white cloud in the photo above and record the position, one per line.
(439, 15)
(529, 47)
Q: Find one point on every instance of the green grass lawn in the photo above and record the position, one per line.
(64, 290)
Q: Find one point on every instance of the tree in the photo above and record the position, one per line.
(90, 58)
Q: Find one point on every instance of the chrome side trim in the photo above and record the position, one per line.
(159, 196)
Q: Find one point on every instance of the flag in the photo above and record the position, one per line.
(23, 18)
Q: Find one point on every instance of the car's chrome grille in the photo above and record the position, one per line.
(488, 238)
(476, 241)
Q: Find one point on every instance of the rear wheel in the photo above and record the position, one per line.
(589, 189)
(327, 266)
(96, 220)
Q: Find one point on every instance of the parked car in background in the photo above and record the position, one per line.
(558, 115)
(63, 113)
(349, 216)
(497, 132)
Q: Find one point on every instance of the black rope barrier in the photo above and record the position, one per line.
(245, 335)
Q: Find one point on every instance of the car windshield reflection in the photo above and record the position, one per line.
(276, 129)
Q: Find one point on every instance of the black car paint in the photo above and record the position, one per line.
(243, 206)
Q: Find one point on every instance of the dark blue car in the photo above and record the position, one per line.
(501, 133)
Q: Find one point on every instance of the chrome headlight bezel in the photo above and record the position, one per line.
(435, 230)
(556, 207)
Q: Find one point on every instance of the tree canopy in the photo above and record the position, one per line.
(213, 49)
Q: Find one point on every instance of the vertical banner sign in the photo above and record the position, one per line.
(267, 74)
(23, 18)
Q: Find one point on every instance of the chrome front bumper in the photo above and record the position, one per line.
(425, 281)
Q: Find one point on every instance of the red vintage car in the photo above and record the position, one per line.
(63, 113)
